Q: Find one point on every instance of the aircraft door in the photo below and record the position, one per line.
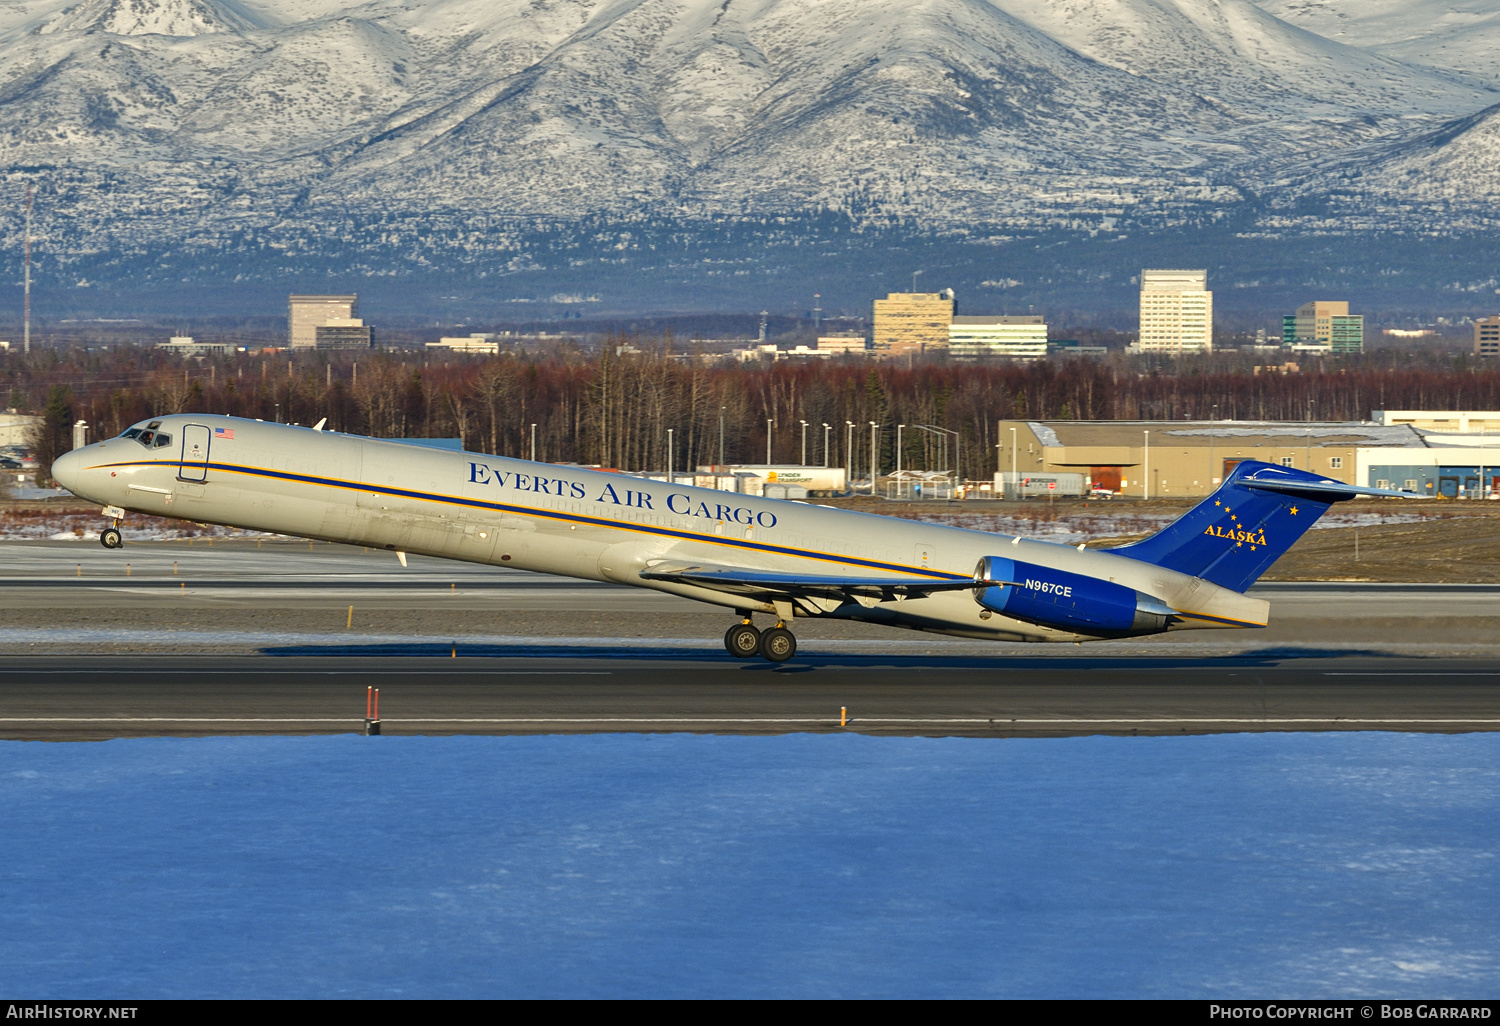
(195, 439)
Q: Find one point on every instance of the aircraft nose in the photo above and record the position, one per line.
(66, 469)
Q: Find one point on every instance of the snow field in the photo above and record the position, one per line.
(834, 865)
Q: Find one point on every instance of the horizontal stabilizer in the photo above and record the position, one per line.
(1325, 491)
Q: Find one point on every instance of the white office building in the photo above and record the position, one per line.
(467, 344)
(1177, 312)
(1010, 338)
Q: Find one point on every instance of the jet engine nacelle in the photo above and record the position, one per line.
(1066, 601)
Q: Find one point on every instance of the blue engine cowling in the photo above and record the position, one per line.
(1067, 601)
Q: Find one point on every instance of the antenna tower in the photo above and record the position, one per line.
(26, 331)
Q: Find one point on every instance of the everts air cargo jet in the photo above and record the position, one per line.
(750, 555)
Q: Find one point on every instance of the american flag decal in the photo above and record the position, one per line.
(224, 433)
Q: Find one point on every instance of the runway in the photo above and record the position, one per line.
(284, 638)
(98, 698)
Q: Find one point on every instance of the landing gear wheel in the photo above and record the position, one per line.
(110, 538)
(778, 644)
(742, 641)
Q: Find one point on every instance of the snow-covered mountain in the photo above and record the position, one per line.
(1462, 36)
(341, 127)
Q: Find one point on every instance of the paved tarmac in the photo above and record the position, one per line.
(261, 639)
(88, 698)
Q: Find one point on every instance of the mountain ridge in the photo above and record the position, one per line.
(201, 124)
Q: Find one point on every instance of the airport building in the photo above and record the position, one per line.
(16, 428)
(1324, 327)
(1007, 338)
(190, 346)
(305, 314)
(912, 322)
(844, 345)
(484, 344)
(1487, 336)
(1177, 312)
(1140, 459)
(343, 333)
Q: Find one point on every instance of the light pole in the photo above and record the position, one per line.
(914, 279)
(769, 424)
(533, 443)
(804, 443)
(1213, 477)
(826, 429)
(899, 428)
(670, 479)
(874, 455)
(1146, 483)
(721, 436)
(849, 453)
(1309, 434)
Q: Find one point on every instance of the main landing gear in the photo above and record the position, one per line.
(110, 536)
(743, 641)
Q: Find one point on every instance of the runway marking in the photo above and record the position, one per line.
(315, 673)
(770, 720)
(1422, 673)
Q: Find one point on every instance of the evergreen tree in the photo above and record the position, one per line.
(54, 435)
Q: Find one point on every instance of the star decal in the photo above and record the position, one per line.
(1294, 511)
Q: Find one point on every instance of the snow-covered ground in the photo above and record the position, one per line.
(818, 866)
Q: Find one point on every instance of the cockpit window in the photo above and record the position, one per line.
(154, 424)
(145, 438)
(162, 441)
(131, 432)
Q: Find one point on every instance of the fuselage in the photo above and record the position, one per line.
(586, 524)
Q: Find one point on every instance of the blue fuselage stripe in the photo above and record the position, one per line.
(456, 500)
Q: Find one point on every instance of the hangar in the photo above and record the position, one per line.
(1152, 459)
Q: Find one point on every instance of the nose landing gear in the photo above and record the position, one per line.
(776, 644)
(110, 536)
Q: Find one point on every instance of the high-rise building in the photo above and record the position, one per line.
(305, 314)
(910, 322)
(1013, 338)
(1177, 312)
(1487, 336)
(1325, 325)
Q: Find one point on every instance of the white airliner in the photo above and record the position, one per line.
(750, 555)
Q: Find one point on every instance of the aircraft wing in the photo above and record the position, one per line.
(769, 584)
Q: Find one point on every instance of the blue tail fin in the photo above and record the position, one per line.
(1234, 535)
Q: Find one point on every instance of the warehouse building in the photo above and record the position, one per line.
(1156, 459)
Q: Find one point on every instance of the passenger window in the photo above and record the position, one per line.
(162, 441)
